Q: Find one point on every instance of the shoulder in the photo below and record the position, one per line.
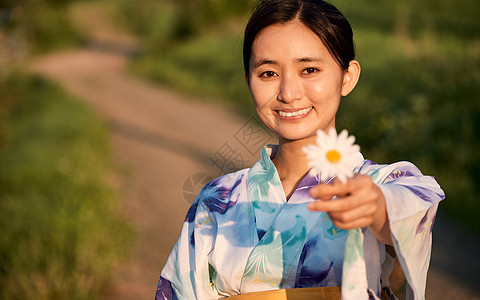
(215, 196)
(389, 172)
(222, 186)
(407, 191)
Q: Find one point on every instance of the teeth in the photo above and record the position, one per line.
(295, 113)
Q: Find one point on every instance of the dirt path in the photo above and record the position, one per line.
(160, 139)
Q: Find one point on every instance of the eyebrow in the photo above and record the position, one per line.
(262, 62)
(310, 59)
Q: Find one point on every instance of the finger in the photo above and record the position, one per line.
(337, 205)
(329, 190)
(359, 181)
(365, 211)
(338, 188)
(349, 202)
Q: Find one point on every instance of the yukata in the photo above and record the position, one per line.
(241, 235)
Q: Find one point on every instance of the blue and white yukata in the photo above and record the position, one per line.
(242, 235)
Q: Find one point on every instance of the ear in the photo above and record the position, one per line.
(350, 77)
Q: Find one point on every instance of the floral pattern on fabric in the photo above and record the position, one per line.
(242, 235)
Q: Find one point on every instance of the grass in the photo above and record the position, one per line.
(207, 67)
(419, 102)
(61, 228)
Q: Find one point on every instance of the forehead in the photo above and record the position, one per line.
(289, 39)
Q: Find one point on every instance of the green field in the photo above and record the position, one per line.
(61, 227)
(418, 94)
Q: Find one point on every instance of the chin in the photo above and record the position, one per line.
(294, 136)
(291, 132)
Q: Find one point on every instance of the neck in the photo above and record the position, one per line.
(290, 160)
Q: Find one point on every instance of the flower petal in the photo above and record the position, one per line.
(350, 157)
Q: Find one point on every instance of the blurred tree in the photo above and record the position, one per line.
(402, 20)
(163, 24)
(7, 4)
(43, 23)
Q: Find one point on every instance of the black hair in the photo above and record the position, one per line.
(324, 19)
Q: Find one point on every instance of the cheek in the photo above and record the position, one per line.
(324, 90)
(262, 95)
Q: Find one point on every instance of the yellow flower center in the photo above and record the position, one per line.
(333, 156)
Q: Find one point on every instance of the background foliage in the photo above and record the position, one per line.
(417, 99)
(44, 24)
(61, 228)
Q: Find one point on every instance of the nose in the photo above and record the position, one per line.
(290, 89)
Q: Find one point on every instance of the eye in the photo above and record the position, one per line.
(310, 70)
(268, 74)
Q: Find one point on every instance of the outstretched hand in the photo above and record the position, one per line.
(355, 204)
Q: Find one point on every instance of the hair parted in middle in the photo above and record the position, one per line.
(324, 19)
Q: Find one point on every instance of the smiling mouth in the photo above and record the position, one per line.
(296, 113)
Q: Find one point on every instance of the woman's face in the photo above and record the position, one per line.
(295, 83)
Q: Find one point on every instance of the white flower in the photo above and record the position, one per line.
(333, 155)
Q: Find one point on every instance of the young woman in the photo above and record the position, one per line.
(275, 226)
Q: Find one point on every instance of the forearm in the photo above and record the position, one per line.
(380, 226)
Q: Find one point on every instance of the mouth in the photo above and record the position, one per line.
(293, 114)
